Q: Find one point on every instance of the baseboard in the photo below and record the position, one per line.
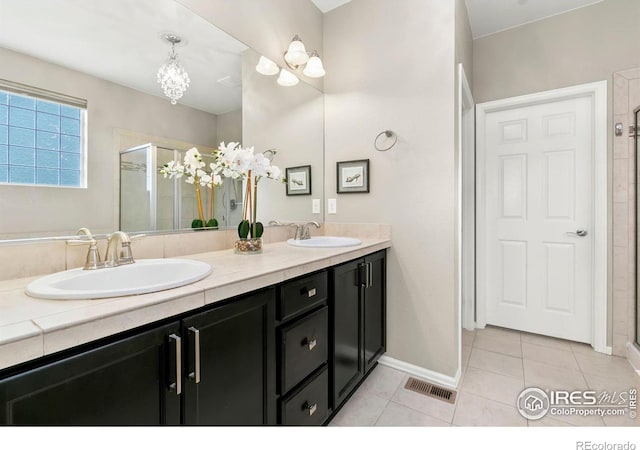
(633, 356)
(426, 374)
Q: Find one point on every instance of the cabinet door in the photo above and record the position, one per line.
(375, 309)
(122, 383)
(346, 320)
(235, 383)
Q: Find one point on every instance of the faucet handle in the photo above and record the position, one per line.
(137, 236)
(126, 257)
(92, 261)
(298, 226)
(85, 231)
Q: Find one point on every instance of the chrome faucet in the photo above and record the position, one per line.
(304, 233)
(112, 258)
(298, 226)
(92, 261)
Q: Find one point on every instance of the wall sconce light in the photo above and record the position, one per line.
(297, 55)
(314, 68)
(267, 67)
(286, 78)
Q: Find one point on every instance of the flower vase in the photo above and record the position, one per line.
(248, 246)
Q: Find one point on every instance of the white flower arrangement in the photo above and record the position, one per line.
(231, 161)
(193, 171)
(234, 161)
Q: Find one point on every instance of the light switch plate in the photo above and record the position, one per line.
(315, 206)
(332, 206)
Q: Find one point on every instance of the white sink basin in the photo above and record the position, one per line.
(144, 276)
(325, 242)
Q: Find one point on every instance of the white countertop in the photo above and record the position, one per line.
(31, 328)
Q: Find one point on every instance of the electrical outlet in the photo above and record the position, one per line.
(315, 206)
(332, 206)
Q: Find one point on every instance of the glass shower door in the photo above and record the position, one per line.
(135, 200)
(147, 199)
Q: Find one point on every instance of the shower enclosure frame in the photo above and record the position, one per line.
(152, 182)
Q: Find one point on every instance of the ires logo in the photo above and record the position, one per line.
(534, 403)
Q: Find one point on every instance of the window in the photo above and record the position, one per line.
(42, 137)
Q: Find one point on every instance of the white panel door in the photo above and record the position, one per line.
(538, 194)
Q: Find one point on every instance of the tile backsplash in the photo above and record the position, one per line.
(28, 259)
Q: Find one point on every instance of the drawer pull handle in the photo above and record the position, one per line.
(310, 343)
(311, 292)
(311, 408)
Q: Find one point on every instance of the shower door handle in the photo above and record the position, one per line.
(580, 232)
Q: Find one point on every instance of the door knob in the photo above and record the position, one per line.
(580, 232)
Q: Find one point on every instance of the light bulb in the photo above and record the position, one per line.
(296, 55)
(266, 66)
(314, 67)
(286, 78)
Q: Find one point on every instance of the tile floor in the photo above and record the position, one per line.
(497, 365)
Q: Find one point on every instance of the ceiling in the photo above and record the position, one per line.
(120, 41)
(126, 38)
(491, 16)
(328, 5)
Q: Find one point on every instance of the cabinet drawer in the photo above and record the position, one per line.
(304, 348)
(301, 294)
(309, 406)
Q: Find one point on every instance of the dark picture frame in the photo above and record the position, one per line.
(298, 180)
(352, 176)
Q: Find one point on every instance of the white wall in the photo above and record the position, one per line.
(581, 46)
(464, 41)
(229, 127)
(54, 211)
(390, 65)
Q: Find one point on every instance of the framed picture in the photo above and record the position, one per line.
(298, 180)
(353, 176)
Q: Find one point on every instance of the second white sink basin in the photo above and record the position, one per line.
(325, 242)
(141, 277)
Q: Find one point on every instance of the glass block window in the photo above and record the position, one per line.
(42, 140)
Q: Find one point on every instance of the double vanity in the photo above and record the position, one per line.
(283, 337)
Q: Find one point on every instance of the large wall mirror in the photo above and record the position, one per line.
(108, 53)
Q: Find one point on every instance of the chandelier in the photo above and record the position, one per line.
(172, 76)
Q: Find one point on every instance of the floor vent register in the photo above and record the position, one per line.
(431, 390)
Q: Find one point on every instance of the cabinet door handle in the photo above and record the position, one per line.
(311, 292)
(362, 275)
(369, 274)
(177, 385)
(195, 375)
(310, 408)
(310, 343)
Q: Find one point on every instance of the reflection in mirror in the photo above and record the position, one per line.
(289, 120)
(99, 52)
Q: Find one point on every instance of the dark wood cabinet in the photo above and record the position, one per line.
(289, 354)
(127, 382)
(358, 322)
(216, 367)
(303, 335)
(230, 367)
(375, 312)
